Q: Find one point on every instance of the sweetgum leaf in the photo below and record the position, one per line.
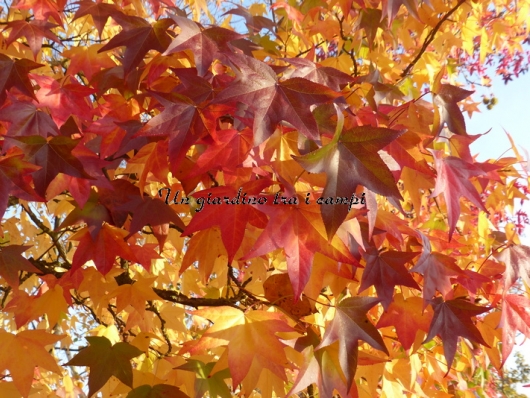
(138, 37)
(34, 31)
(517, 261)
(447, 99)
(453, 181)
(385, 271)
(348, 162)
(15, 74)
(274, 101)
(100, 12)
(54, 155)
(232, 219)
(515, 318)
(12, 261)
(452, 318)
(350, 325)
(205, 44)
(29, 347)
(106, 360)
(250, 337)
(157, 391)
(299, 231)
(15, 175)
(407, 316)
(437, 270)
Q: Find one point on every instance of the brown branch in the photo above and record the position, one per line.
(55, 236)
(310, 48)
(351, 53)
(81, 301)
(151, 307)
(197, 302)
(430, 38)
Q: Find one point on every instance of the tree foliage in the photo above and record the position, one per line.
(256, 199)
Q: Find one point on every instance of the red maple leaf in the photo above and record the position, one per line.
(34, 31)
(205, 44)
(453, 181)
(15, 177)
(138, 37)
(274, 101)
(437, 270)
(300, 232)
(15, 74)
(452, 318)
(407, 316)
(350, 325)
(231, 218)
(386, 270)
(349, 160)
(515, 317)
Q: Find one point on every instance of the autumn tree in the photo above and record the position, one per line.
(250, 200)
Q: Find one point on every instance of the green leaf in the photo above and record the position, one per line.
(157, 391)
(106, 360)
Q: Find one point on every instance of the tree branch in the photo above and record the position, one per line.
(430, 38)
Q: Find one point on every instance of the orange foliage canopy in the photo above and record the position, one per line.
(256, 200)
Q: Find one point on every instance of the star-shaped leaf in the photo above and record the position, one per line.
(322, 368)
(156, 391)
(34, 31)
(12, 261)
(249, 337)
(214, 384)
(28, 347)
(138, 37)
(350, 325)
(54, 155)
(106, 360)
(407, 316)
(205, 44)
(453, 181)
(448, 112)
(300, 232)
(350, 160)
(386, 270)
(391, 8)
(232, 219)
(452, 318)
(517, 261)
(274, 101)
(103, 250)
(437, 270)
(515, 318)
(183, 122)
(15, 74)
(325, 75)
(26, 120)
(99, 11)
(15, 177)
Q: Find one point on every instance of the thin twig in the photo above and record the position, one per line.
(430, 38)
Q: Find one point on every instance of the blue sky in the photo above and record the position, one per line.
(511, 113)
